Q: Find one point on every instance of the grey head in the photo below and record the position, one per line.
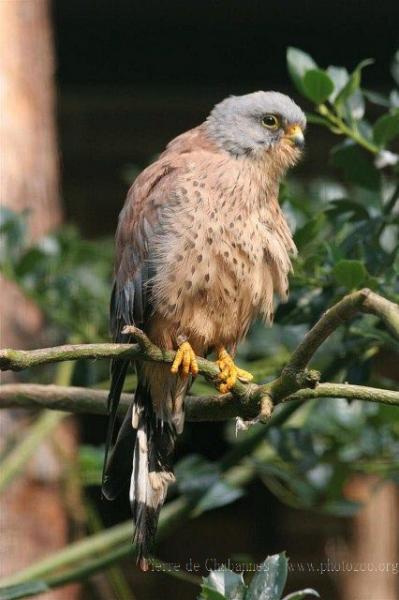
(256, 122)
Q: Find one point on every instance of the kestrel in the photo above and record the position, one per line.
(201, 247)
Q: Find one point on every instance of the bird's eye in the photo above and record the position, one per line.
(270, 122)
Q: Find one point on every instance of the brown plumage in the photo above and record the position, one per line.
(201, 247)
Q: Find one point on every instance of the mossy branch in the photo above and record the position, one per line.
(247, 400)
(81, 400)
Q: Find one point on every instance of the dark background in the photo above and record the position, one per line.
(134, 74)
(131, 75)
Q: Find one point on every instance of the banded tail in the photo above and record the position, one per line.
(143, 452)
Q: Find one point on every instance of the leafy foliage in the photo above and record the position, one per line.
(68, 277)
(267, 584)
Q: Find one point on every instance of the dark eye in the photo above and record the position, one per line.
(270, 121)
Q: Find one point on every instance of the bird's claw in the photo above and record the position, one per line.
(229, 372)
(185, 361)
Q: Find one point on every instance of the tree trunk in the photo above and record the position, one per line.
(32, 512)
(372, 554)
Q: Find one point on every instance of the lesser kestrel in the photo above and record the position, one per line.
(201, 248)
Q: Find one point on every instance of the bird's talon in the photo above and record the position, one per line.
(243, 375)
(229, 373)
(185, 361)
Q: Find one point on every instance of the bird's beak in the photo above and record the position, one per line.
(294, 135)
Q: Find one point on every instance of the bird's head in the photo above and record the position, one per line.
(259, 124)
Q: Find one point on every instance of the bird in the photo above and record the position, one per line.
(202, 248)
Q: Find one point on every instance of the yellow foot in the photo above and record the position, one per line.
(229, 373)
(185, 361)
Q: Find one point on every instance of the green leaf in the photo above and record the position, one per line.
(298, 63)
(219, 494)
(353, 83)
(355, 106)
(317, 85)
(200, 479)
(344, 206)
(301, 594)
(269, 582)
(350, 273)
(208, 593)
(386, 129)
(195, 475)
(23, 590)
(340, 77)
(223, 584)
(356, 165)
(308, 234)
(376, 98)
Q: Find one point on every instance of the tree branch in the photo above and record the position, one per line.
(246, 400)
(364, 301)
(245, 394)
(198, 408)
(348, 391)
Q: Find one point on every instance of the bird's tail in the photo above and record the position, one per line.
(149, 434)
(152, 470)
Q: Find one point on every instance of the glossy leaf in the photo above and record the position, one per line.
(223, 584)
(317, 85)
(219, 494)
(269, 582)
(355, 106)
(298, 63)
(386, 129)
(376, 98)
(340, 77)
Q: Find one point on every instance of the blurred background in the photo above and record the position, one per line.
(91, 93)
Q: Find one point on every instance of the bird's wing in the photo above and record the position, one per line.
(130, 301)
(138, 224)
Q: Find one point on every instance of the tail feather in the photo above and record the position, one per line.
(118, 375)
(119, 464)
(152, 471)
(150, 439)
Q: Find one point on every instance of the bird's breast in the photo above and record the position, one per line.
(211, 274)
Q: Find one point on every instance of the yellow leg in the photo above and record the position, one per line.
(229, 373)
(185, 361)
